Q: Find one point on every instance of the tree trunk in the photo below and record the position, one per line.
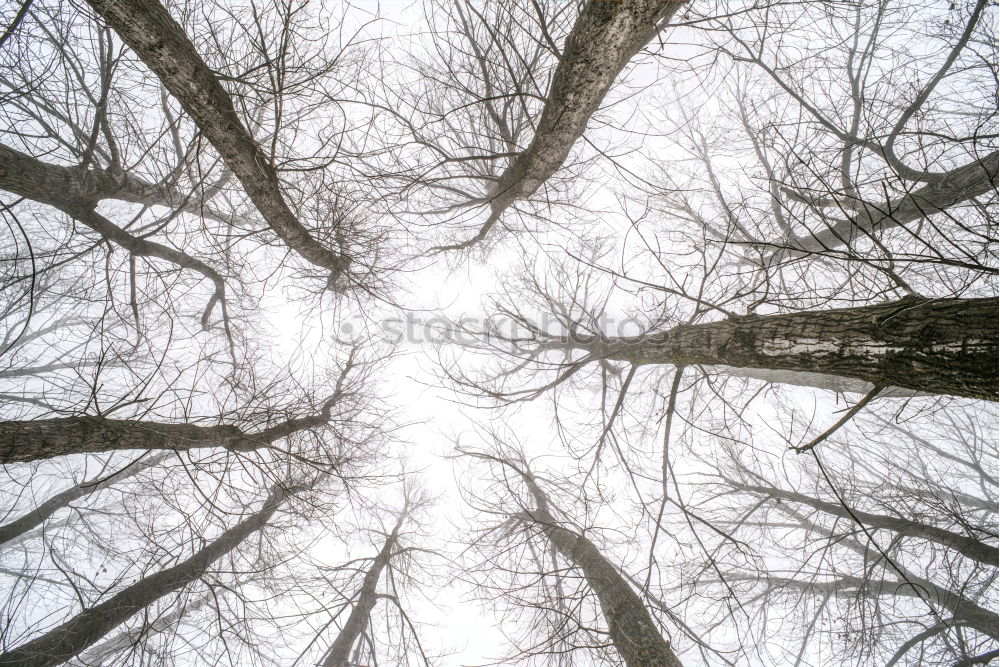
(935, 346)
(76, 192)
(340, 651)
(963, 610)
(104, 653)
(79, 633)
(22, 174)
(604, 38)
(633, 632)
(147, 27)
(31, 440)
(968, 181)
(40, 514)
(969, 547)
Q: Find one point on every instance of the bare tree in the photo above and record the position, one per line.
(883, 535)
(61, 643)
(604, 38)
(636, 637)
(738, 214)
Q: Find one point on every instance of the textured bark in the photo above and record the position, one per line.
(84, 630)
(633, 631)
(45, 510)
(32, 440)
(104, 653)
(604, 38)
(22, 174)
(972, 180)
(149, 30)
(76, 192)
(340, 650)
(969, 547)
(935, 346)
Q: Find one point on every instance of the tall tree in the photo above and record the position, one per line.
(636, 637)
(161, 43)
(84, 630)
(604, 38)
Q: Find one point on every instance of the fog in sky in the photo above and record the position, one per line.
(532, 332)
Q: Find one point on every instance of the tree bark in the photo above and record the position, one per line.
(22, 174)
(84, 630)
(40, 514)
(954, 187)
(340, 650)
(604, 38)
(76, 192)
(31, 440)
(149, 30)
(633, 631)
(934, 346)
(104, 652)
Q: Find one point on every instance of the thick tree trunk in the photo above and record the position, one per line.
(935, 346)
(105, 652)
(147, 27)
(633, 632)
(40, 514)
(340, 650)
(969, 547)
(22, 441)
(48, 183)
(79, 633)
(604, 38)
(963, 184)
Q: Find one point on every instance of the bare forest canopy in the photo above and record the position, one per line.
(649, 333)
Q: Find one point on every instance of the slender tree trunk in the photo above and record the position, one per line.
(962, 609)
(969, 547)
(935, 346)
(632, 629)
(340, 651)
(954, 187)
(604, 38)
(40, 514)
(147, 27)
(31, 440)
(79, 633)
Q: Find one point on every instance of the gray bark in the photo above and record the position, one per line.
(84, 630)
(633, 631)
(969, 547)
(935, 346)
(340, 649)
(76, 192)
(95, 184)
(31, 440)
(147, 27)
(963, 610)
(102, 653)
(604, 38)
